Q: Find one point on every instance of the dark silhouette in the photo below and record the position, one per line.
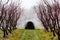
(30, 25)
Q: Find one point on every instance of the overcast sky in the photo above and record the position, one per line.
(29, 3)
(29, 13)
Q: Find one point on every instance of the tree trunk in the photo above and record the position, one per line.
(4, 33)
(59, 35)
(10, 30)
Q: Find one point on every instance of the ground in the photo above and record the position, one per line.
(23, 34)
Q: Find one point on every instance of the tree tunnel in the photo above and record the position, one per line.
(30, 25)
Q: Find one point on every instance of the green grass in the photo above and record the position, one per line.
(15, 35)
(29, 35)
(45, 35)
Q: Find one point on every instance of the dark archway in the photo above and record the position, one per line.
(30, 25)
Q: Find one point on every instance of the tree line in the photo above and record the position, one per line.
(49, 15)
(9, 15)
